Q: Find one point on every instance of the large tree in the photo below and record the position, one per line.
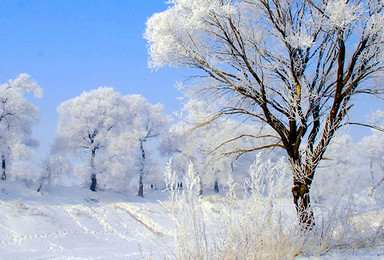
(17, 116)
(86, 124)
(295, 65)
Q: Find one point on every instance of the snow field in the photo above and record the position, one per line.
(75, 223)
(87, 226)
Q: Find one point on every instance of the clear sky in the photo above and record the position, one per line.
(71, 46)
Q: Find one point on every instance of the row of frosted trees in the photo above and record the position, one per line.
(111, 130)
(109, 141)
(124, 139)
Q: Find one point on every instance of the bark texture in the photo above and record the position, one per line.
(301, 199)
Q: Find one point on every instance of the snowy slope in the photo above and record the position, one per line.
(75, 223)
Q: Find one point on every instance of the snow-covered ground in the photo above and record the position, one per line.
(75, 223)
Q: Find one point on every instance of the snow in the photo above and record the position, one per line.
(75, 223)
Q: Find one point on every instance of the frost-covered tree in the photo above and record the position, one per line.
(296, 65)
(142, 123)
(86, 124)
(372, 149)
(55, 167)
(189, 141)
(17, 116)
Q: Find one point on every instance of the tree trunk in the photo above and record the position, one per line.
(303, 171)
(216, 187)
(93, 171)
(93, 182)
(3, 169)
(301, 199)
(201, 188)
(140, 193)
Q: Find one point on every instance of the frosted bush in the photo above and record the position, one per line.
(259, 222)
(23, 171)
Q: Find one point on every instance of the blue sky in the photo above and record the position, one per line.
(71, 46)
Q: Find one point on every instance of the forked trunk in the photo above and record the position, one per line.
(301, 199)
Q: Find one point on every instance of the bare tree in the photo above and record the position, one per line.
(295, 65)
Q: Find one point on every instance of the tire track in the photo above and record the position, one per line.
(146, 222)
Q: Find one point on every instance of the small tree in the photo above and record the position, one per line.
(296, 65)
(87, 122)
(17, 116)
(55, 167)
